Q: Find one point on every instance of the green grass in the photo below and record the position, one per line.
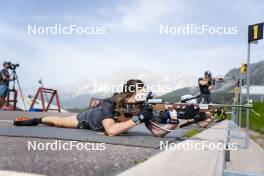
(191, 132)
(140, 161)
(256, 123)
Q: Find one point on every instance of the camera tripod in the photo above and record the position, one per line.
(15, 81)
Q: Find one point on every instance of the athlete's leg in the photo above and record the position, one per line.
(64, 122)
(4, 93)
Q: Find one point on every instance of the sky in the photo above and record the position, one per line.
(132, 37)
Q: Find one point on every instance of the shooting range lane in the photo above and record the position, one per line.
(136, 137)
(139, 139)
(16, 157)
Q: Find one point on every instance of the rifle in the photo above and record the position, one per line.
(223, 78)
(159, 105)
(187, 111)
(213, 80)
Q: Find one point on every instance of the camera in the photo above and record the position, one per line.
(11, 66)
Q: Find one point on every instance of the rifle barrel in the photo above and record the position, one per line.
(228, 105)
(162, 105)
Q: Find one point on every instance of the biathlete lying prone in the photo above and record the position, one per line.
(109, 118)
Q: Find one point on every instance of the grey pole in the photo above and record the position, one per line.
(240, 98)
(227, 151)
(248, 85)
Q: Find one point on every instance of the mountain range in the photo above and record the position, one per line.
(168, 86)
(223, 91)
(80, 93)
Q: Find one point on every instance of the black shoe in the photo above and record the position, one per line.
(26, 121)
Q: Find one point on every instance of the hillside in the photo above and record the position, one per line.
(224, 91)
(176, 94)
(219, 96)
(256, 73)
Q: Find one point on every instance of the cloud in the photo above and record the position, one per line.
(59, 61)
(63, 61)
(218, 59)
(142, 14)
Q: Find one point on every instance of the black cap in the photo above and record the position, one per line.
(5, 62)
(207, 74)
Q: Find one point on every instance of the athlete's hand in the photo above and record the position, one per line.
(146, 114)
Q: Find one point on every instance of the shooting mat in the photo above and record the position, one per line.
(132, 138)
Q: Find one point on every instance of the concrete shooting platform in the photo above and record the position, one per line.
(247, 161)
(205, 162)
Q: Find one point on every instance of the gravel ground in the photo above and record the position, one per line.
(15, 156)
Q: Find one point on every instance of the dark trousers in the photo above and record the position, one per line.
(204, 99)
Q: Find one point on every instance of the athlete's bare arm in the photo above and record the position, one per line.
(114, 129)
(158, 132)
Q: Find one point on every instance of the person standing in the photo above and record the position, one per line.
(4, 83)
(206, 84)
